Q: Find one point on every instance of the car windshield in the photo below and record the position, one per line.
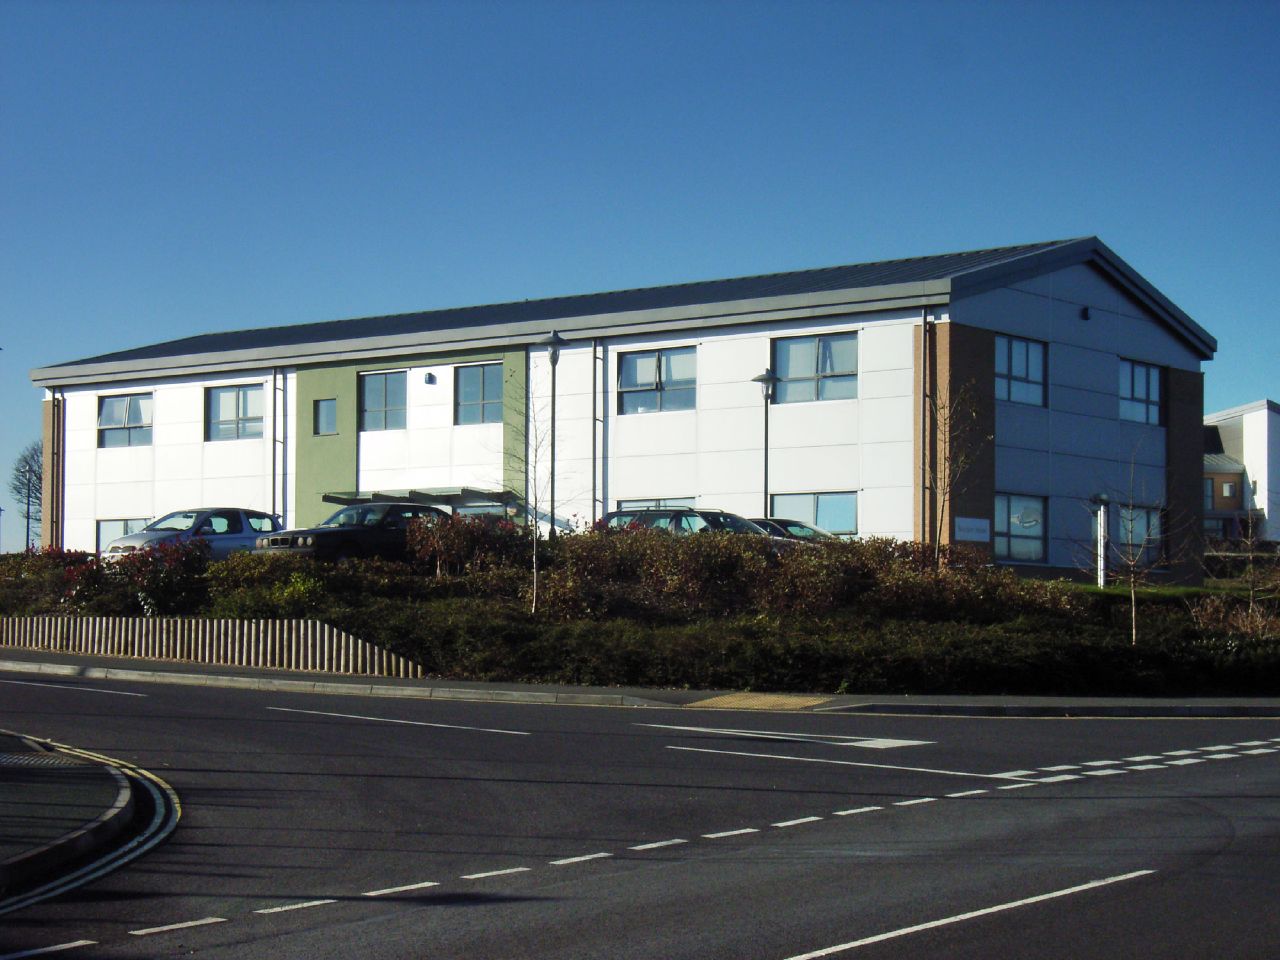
(181, 520)
(731, 522)
(361, 515)
(804, 531)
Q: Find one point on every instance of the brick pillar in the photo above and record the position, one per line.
(1184, 475)
(53, 481)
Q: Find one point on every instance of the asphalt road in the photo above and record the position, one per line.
(338, 826)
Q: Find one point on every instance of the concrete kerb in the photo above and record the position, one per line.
(37, 864)
(1030, 707)
(356, 688)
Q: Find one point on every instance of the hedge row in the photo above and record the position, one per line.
(710, 611)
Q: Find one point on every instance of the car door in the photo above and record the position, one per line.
(225, 531)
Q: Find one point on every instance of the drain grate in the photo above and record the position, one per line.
(40, 760)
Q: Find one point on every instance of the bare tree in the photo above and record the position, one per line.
(25, 483)
(958, 444)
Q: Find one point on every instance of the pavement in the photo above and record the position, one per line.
(59, 809)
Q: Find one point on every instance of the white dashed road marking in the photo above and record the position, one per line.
(958, 918)
(203, 921)
(79, 689)
(730, 833)
(912, 803)
(849, 813)
(590, 856)
(495, 873)
(796, 823)
(296, 906)
(409, 723)
(657, 844)
(969, 793)
(401, 889)
(41, 951)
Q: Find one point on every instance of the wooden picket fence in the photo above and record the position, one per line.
(281, 644)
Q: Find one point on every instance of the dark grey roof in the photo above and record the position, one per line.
(915, 281)
(1222, 463)
(912, 270)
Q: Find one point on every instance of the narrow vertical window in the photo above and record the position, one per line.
(325, 417)
(1140, 392)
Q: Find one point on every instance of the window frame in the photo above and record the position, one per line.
(1154, 551)
(811, 517)
(1010, 379)
(1002, 528)
(486, 404)
(244, 422)
(135, 434)
(315, 417)
(102, 543)
(367, 414)
(818, 377)
(1152, 375)
(664, 392)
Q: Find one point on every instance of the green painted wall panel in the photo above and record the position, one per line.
(329, 464)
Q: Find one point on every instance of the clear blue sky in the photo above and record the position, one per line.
(177, 168)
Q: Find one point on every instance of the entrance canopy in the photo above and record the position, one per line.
(455, 497)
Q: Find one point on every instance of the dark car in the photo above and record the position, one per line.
(687, 520)
(793, 529)
(223, 530)
(360, 530)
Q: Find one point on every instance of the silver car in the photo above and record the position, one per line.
(224, 529)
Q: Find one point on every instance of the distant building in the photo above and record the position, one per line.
(1242, 473)
(991, 397)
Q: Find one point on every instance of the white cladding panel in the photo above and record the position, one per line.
(1260, 454)
(431, 451)
(714, 452)
(179, 469)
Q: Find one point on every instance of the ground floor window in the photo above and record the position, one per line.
(1021, 531)
(1140, 536)
(835, 512)
(109, 530)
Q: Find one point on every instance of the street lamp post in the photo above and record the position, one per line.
(767, 380)
(553, 342)
(1102, 500)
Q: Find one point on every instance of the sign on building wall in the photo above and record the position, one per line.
(974, 529)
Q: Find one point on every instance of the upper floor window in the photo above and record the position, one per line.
(1020, 533)
(816, 368)
(233, 413)
(477, 394)
(1208, 493)
(382, 401)
(1139, 392)
(124, 421)
(655, 380)
(1020, 370)
(833, 512)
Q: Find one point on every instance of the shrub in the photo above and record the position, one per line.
(459, 544)
(167, 578)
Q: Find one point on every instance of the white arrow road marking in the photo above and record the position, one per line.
(411, 723)
(835, 740)
(847, 763)
(985, 911)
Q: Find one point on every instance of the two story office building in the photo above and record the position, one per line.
(993, 397)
